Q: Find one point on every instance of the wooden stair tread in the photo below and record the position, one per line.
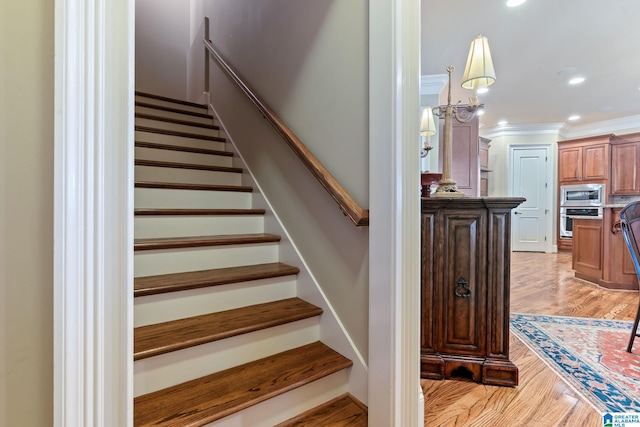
(144, 144)
(152, 340)
(173, 110)
(169, 99)
(343, 411)
(151, 285)
(207, 399)
(195, 212)
(192, 166)
(179, 133)
(188, 186)
(200, 241)
(176, 121)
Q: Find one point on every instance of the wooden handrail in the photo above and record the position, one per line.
(345, 201)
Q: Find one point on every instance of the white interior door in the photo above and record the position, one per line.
(529, 179)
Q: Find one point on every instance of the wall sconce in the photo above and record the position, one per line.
(478, 73)
(427, 129)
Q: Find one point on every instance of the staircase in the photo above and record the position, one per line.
(221, 337)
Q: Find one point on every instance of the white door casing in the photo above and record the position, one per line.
(530, 177)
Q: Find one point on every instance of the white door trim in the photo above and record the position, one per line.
(93, 213)
(550, 185)
(394, 258)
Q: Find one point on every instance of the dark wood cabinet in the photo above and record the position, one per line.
(465, 289)
(625, 160)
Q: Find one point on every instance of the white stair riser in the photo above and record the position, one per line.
(160, 124)
(290, 404)
(171, 115)
(179, 305)
(150, 263)
(170, 104)
(182, 157)
(185, 225)
(194, 199)
(186, 176)
(179, 140)
(165, 370)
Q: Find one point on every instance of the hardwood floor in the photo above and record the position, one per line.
(540, 284)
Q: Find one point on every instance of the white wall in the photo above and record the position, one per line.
(26, 213)
(162, 41)
(308, 60)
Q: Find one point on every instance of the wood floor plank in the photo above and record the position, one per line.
(152, 285)
(343, 411)
(540, 284)
(204, 400)
(154, 243)
(152, 340)
(169, 99)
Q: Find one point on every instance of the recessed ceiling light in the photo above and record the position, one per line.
(574, 118)
(483, 90)
(576, 80)
(514, 3)
(502, 122)
(480, 112)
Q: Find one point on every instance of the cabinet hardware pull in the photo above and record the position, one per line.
(462, 289)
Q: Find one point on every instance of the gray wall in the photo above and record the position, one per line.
(308, 60)
(162, 40)
(26, 213)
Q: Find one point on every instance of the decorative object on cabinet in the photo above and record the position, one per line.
(478, 73)
(427, 129)
(465, 281)
(427, 179)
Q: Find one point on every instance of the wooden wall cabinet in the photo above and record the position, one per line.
(583, 160)
(466, 250)
(625, 160)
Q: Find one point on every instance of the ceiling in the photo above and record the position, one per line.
(536, 48)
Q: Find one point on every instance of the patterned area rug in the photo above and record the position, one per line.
(589, 355)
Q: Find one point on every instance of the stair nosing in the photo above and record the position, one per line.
(206, 328)
(176, 121)
(160, 243)
(169, 99)
(174, 282)
(179, 134)
(195, 212)
(173, 110)
(160, 146)
(206, 411)
(190, 186)
(191, 166)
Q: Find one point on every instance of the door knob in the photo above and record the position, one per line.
(517, 213)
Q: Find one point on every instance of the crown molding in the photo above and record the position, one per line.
(433, 84)
(522, 129)
(621, 124)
